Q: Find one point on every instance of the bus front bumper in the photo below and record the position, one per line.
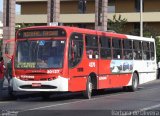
(60, 84)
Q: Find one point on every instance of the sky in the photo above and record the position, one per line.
(1, 6)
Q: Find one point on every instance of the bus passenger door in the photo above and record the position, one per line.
(104, 62)
(77, 81)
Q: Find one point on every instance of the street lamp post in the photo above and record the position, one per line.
(141, 18)
(8, 24)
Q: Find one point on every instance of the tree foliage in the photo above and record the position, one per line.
(23, 25)
(157, 39)
(149, 31)
(117, 24)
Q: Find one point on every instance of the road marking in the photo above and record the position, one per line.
(49, 106)
(70, 102)
(55, 105)
(4, 102)
(112, 95)
(150, 108)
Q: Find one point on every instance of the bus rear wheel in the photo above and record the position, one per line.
(135, 83)
(89, 89)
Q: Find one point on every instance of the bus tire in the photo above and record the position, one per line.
(89, 89)
(10, 90)
(135, 83)
(125, 88)
(11, 93)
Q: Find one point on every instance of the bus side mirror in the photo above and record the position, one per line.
(7, 51)
(6, 45)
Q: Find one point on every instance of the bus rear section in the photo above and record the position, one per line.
(100, 60)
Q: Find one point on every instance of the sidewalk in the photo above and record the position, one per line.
(4, 92)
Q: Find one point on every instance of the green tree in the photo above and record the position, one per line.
(23, 25)
(149, 31)
(157, 39)
(117, 24)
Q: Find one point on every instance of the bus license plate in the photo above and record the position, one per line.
(36, 84)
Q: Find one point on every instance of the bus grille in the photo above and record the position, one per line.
(41, 87)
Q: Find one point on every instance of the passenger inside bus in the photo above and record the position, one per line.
(144, 56)
(41, 63)
(127, 55)
(54, 62)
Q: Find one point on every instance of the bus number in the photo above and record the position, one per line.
(53, 71)
(92, 64)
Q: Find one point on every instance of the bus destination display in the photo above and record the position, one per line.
(41, 33)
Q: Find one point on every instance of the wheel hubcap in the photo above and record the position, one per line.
(90, 87)
(135, 83)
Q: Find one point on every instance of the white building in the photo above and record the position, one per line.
(1, 30)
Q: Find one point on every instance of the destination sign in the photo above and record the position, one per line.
(41, 33)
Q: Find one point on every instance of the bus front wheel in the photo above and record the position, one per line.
(10, 89)
(11, 93)
(89, 88)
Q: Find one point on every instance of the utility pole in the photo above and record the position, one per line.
(141, 18)
(9, 24)
(101, 15)
(53, 12)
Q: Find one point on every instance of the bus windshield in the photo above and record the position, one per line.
(39, 54)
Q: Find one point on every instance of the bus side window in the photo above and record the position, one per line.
(117, 48)
(145, 53)
(152, 51)
(75, 49)
(137, 50)
(127, 47)
(92, 46)
(105, 47)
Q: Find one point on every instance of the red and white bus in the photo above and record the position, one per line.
(69, 59)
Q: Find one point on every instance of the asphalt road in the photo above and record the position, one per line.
(115, 102)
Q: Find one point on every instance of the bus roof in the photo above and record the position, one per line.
(140, 38)
(80, 30)
(86, 31)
